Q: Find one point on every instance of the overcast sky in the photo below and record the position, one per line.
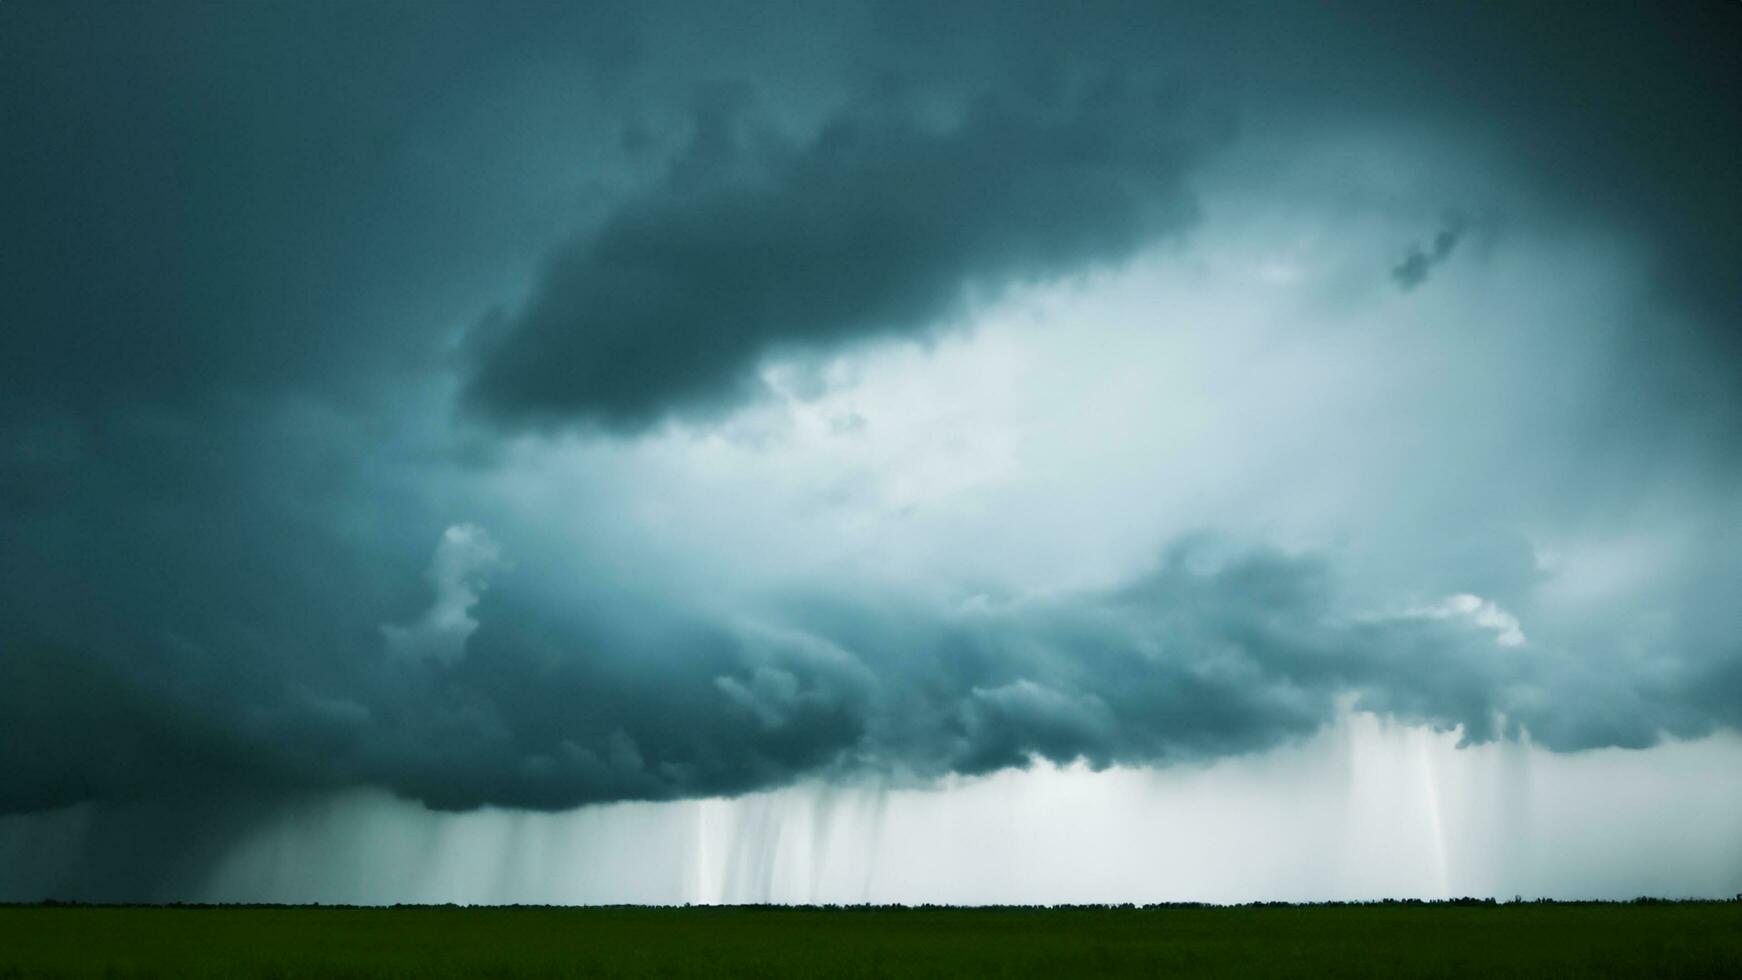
(424, 418)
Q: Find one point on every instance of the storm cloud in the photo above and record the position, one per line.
(883, 223)
(554, 405)
(1215, 651)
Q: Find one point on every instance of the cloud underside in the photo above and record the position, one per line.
(1213, 653)
(882, 224)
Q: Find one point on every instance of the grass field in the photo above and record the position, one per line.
(1538, 940)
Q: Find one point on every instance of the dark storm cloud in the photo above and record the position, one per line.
(212, 222)
(881, 223)
(1613, 115)
(222, 227)
(1217, 651)
(206, 196)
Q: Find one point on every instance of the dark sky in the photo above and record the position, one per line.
(549, 404)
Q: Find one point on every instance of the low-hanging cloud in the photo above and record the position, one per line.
(1215, 651)
(884, 222)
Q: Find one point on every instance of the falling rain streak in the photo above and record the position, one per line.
(1362, 811)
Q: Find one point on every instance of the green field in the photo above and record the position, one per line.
(1536, 940)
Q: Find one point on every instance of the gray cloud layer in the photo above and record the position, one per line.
(237, 247)
(882, 223)
(1216, 651)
